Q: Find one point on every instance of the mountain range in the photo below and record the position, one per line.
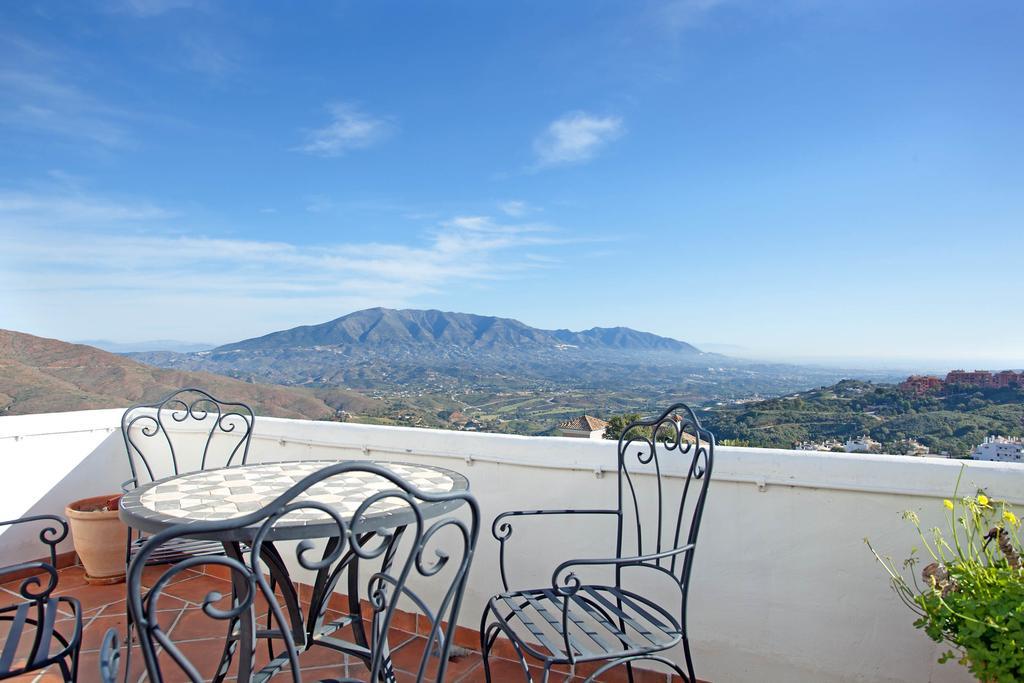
(383, 327)
(39, 375)
(429, 350)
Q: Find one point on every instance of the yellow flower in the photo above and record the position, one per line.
(982, 500)
(948, 503)
(1010, 517)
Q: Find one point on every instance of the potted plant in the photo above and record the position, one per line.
(100, 538)
(970, 594)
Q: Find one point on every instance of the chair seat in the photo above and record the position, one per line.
(177, 549)
(31, 641)
(603, 622)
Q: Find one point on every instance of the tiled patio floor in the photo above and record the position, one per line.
(201, 638)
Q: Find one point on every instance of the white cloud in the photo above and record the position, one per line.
(575, 137)
(36, 211)
(514, 208)
(81, 267)
(349, 129)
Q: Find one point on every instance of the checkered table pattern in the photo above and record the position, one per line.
(235, 491)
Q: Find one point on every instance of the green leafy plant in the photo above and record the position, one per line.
(971, 594)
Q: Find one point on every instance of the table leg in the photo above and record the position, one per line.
(387, 669)
(245, 623)
(279, 576)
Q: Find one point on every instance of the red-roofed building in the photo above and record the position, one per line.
(920, 384)
(583, 427)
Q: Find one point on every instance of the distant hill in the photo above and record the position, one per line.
(384, 327)
(40, 375)
(381, 347)
(142, 346)
(390, 351)
(954, 422)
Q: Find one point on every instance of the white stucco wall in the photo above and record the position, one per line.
(784, 588)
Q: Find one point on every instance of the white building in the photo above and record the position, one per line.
(1000, 449)
(912, 447)
(862, 444)
(583, 427)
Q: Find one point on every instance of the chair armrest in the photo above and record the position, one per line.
(26, 586)
(50, 535)
(129, 485)
(570, 583)
(501, 529)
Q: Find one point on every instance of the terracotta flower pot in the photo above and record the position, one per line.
(100, 538)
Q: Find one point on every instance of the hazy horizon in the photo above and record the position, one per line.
(939, 365)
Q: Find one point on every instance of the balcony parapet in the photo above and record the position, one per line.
(784, 588)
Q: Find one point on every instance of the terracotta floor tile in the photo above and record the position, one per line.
(95, 628)
(201, 638)
(319, 657)
(89, 666)
(152, 574)
(408, 656)
(9, 594)
(193, 624)
(196, 589)
(503, 670)
(204, 655)
(92, 597)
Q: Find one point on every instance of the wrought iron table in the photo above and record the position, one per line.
(234, 491)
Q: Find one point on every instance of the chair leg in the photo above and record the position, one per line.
(629, 671)
(628, 661)
(691, 677)
(487, 636)
(67, 670)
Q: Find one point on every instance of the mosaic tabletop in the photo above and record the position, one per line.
(235, 491)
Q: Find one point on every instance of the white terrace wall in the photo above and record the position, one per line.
(784, 588)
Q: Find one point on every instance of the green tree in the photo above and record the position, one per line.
(618, 423)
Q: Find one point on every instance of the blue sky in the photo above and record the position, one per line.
(798, 179)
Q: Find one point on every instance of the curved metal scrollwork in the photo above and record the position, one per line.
(414, 550)
(33, 587)
(671, 454)
(54, 644)
(152, 431)
(410, 548)
(673, 439)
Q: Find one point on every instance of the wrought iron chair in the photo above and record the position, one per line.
(416, 552)
(606, 623)
(32, 640)
(220, 435)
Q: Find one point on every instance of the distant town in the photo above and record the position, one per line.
(962, 378)
(956, 385)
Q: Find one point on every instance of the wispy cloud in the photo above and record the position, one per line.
(30, 211)
(208, 55)
(349, 128)
(514, 208)
(575, 137)
(64, 256)
(37, 94)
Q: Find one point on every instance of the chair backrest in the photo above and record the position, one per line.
(186, 430)
(423, 566)
(679, 453)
